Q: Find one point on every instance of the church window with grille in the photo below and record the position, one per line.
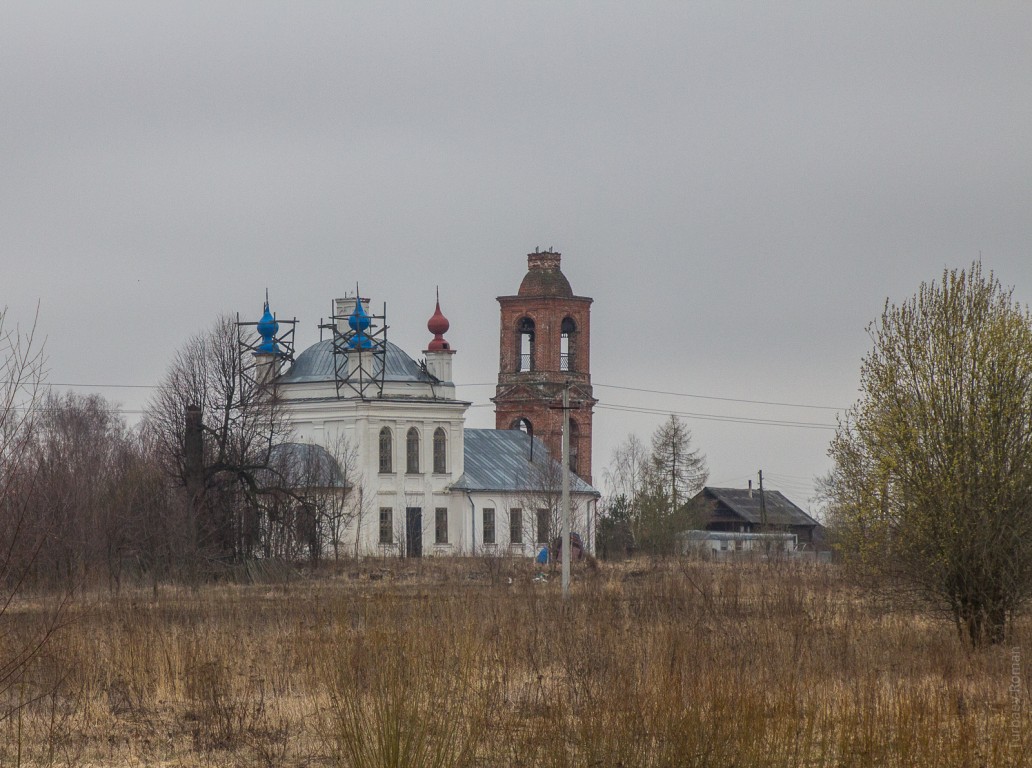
(489, 526)
(515, 525)
(441, 525)
(412, 452)
(386, 451)
(440, 451)
(386, 525)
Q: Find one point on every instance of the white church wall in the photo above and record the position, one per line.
(503, 504)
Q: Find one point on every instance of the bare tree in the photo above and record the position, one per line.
(628, 471)
(312, 498)
(364, 514)
(651, 488)
(95, 489)
(236, 421)
(626, 478)
(78, 451)
(151, 537)
(341, 505)
(21, 378)
(22, 372)
(541, 504)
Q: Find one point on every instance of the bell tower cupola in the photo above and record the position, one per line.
(544, 345)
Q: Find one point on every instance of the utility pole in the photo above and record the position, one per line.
(566, 491)
(565, 408)
(763, 504)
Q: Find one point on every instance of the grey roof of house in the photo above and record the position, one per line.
(316, 364)
(499, 460)
(302, 465)
(746, 504)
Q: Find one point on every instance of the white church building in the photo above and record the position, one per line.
(422, 483)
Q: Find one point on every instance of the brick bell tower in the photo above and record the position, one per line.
(544, 343)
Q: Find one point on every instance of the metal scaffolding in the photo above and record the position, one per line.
(270, 336)
(359, 350)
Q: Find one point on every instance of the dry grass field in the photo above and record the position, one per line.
(448, 664)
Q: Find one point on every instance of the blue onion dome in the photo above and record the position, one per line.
(359, 322)
(267, 329)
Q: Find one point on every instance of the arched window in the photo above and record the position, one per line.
(566, 344)
(523, 424)
(525, 345)
(574, 445)
(386, 451)
(412, 451)
(440, 451)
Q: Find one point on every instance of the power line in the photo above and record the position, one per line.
(723, 483)
(41, 409)
(88, 386)
(698, 397)
(102, 386)
(724, 399)
(716, 417)
(702, 416)
(800, 488)
(788, 478)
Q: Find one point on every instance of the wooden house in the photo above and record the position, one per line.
(748, 510)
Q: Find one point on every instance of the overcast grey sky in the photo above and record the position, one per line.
(739, 186)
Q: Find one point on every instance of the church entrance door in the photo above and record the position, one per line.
(413, 531)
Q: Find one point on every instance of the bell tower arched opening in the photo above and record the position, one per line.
(523, 425)
(525, 345)
(567, 345)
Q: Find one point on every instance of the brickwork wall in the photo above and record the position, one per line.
(533, 394)
(540, 408)
(547, 313)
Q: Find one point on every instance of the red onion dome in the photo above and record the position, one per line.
(438, 325)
